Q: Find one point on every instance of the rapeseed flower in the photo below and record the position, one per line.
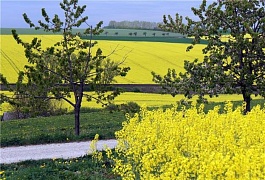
(190, 144)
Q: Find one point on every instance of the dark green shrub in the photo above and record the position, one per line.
(112, 108)
(136, 90)
(29, 106)
(130, 107)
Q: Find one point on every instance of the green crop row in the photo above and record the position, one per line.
(106, 32)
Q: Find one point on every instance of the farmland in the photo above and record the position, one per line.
(106, 33)
(141, 57)
(149, 100)
(190, 144)
(164, 137)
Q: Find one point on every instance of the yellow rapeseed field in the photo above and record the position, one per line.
(12, 54)
(190, 144)
(142, 57)
(143, 99)
(145, 57)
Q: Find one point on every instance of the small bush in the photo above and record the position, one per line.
(136, 90)
(130, 107)
(30, 107)
(112, 108)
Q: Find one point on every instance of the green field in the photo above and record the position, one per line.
(110, 32)
(116, 35)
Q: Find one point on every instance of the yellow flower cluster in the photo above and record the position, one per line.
(190, 144)
(2, 175)
(97, 156)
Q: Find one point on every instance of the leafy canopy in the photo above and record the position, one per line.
(234, 60)
(69, 65)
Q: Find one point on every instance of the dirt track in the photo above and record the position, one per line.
(50, 151)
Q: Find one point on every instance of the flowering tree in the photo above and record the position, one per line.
(234, 60)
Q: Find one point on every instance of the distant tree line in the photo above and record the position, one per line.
(133, 25)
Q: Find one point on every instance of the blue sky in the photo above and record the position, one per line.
(97, 10)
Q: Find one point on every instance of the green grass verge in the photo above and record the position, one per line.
(60, 128)
(77, 168)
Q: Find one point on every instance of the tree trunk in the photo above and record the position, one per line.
(247, 100)
(77, 119)
(78, 101)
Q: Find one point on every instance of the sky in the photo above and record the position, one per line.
(97, 10)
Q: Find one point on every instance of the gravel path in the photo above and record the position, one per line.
(50, 151)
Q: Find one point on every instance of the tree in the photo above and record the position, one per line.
(3, 96)
(133, 25)
(112, 24)
(234, 60)
(69, 64)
